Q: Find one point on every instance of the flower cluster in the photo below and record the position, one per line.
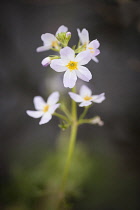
(72, 62)
(68, 61)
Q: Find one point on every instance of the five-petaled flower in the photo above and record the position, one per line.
(50, 41)
(85, 97)
(73, 66)
(44, 109)
(92, 46)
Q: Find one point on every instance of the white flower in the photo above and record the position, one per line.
(97, 120)
(86, 98)
(92, 46)
(44, 109)
(83, 36)
(50, 41)
(73, 66)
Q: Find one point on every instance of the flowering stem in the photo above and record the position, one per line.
(65, 110)
(74, 106)
(56, 50)
(83, 121)
(69, 157)
(84, 113)
(73, 135)
(61, 116)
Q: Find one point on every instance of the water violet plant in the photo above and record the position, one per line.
(71, 61)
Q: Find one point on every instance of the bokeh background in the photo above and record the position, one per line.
(110, 154)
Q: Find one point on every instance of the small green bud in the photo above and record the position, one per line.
(63, 126)
(64, 38)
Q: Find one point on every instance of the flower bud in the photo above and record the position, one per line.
(97, 120)
(68, 34)
(64, 38)
(46, 61)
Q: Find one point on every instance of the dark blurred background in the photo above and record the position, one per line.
(113, 184)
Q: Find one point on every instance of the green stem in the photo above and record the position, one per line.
(74, 106)
(84, 113)
(69, 157)
(74, 128)
(61, 116)
(56, 50)
(65, 110)
(83, 121)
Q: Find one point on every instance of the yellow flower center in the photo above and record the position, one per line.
(45, 109)
(91, 49)
(87, 98)
(72, 65)
(55, 44)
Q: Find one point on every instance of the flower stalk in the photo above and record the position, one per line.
(84, 113)
(74, 128)
(61, 116)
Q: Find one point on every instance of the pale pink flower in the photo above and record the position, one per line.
(92, 46)
(85, 97)
(72, 66)
(44, 109)
(50, 41)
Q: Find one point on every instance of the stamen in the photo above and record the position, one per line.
(55, 44)
(72, 65)
(45, 109)
(91, 49)
(87, 98)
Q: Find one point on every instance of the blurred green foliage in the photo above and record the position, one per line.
(94, 181)
(39, 184)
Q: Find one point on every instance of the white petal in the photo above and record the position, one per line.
(48, 38)
(43, 48)
(97, 52)
(83, 73)
(95, 59)
(62, 29)
(79, 33)
(58, 65)
(53, 98)
(95, 43)
(76, 97)
(39, 102)
(45, 118)
(53, 108)
(67, 54)
(46, 61)
(83, 57)
(93, 50)
(85, 91)
(34, 114)
(85, 103)
(98, 98)
(69, 79)
(84, 36)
